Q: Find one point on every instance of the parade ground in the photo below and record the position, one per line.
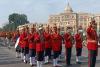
(49, 33)
(8, 59)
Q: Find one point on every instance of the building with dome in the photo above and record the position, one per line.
(74, 19)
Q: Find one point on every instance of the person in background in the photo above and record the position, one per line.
(8, 38)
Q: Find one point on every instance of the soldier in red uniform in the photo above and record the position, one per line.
(32, 45)
(26, 44)
(78, 44)
(60, 42)
(92, 44)
(68, 45)
(39, 39)
(15, 38)
(21, 43)
(47, 44)
(56, 46)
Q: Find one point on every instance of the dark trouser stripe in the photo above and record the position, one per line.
(68, 55)
(92, 58)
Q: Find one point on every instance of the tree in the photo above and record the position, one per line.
(0, 29)
(18, 18)
(15, 20)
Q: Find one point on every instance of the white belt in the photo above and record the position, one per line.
(91, 41)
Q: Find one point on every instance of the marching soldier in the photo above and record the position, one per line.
(78, 44)
(47, 44)
(21, 43)
(32, 45)
(68, 45)
(39, 39)
(15, 38)
(92, 44)
(26, 44)
(60, 42)
(56, 46)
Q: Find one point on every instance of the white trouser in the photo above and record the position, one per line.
(46, 59)
(22, 56)
(17, 54)
(32, 60)
(26, 57)
(78, 58)
(39, 63)
(55, 62)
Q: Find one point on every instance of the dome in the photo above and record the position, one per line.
(68, 9)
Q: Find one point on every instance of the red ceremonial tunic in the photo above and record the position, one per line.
(68, 42)
(92, 39)
(60, 40)
(47, 40)
(56, 45)
(39, 44)
(78, 40)
(32, 44)
(23, 42)
(26, 39)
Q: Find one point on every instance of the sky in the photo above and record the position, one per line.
(39, 10)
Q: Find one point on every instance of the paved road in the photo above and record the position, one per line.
(8, 59)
